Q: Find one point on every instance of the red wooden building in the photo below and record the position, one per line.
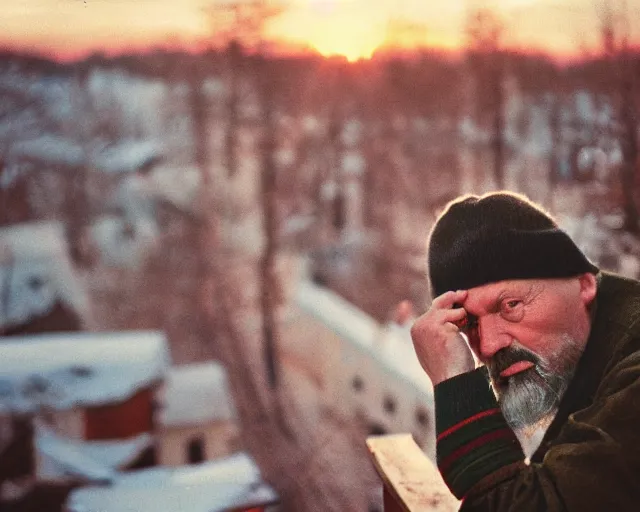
(78, 407)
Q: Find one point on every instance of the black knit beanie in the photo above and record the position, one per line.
(501, 235)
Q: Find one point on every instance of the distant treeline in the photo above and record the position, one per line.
(420, 83)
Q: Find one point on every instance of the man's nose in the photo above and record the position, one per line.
(493, 336)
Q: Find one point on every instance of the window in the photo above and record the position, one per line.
(318, 278)
(422, 417)
(377, 430)
(195, 450)
(35, 282)
(81, 371)
(389, 404)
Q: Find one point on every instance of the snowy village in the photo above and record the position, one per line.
(210, 260)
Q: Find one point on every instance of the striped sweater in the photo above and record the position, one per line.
(589, 458)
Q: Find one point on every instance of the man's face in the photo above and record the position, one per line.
(530, 334)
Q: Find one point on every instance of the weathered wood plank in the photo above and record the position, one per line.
(409, 476)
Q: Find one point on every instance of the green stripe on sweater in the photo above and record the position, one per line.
(476, 440)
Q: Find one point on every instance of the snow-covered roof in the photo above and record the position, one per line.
(391, 346)
(60, 460)
(67, 370)
(195, 394)
(90, 460)
(239, 467)
(223, 484)
(127, 156)
(125, 240)
(50, 149)
(346, 320)
(36, 271)
(124, 157)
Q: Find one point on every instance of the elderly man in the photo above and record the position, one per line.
(535, 358)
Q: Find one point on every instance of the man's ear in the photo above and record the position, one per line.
(588, 287)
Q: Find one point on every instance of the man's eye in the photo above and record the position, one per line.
(512, 310)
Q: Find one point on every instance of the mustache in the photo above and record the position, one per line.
(507, 356)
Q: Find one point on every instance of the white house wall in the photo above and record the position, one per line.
(345, 345)
(355, 364)
(378, 385)
(219, 439)
(312, 351)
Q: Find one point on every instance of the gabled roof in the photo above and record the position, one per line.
(219, 485)
(36, 272)
(389, 345)
(66, 370)
(349, 322)
(195, 394)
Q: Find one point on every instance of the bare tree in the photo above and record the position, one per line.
(78, 205)
(215, 297)
(485, 57)
(240, 25)
(555, 127)
(615, 30)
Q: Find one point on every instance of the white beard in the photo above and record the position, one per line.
(530, 401)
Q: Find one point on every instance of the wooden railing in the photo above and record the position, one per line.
(411, 480)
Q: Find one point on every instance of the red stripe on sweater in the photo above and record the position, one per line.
(475, 417)
(487, 438)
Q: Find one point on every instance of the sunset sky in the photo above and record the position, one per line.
(354, 28)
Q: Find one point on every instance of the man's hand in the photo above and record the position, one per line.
(441, 349)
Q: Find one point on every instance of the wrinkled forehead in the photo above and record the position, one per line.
(485, 298)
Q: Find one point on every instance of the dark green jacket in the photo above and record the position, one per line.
(589, 459)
